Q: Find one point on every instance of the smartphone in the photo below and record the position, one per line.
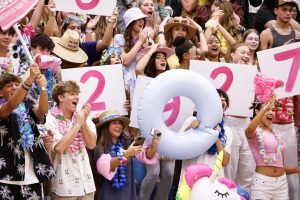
(139, 141)
(155, 132)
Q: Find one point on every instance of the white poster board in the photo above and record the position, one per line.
(235, 79)
(102, 87)
(92, 7)
(175, 112)
(282, 63)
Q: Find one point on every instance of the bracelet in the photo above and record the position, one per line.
(200, 31)
(28, 85)
(160, 32)
(25, 86)
(88, 31)
(122, 160)
(43, 89)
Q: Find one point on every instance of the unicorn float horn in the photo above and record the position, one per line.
(217, 167)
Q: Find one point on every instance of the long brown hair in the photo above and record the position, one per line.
(101, 27)
(105, 139)
(128, 38)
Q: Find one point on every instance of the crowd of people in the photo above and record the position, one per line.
(52, 149)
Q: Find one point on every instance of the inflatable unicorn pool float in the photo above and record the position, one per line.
(200, 183)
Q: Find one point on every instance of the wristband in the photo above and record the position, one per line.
(25, 86)
(160, 32)
(88, 31)
(122, 160)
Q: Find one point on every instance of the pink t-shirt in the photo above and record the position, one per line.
(270, 144)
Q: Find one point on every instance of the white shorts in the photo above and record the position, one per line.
(269, 188)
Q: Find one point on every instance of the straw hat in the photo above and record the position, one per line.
(133, 14)
(67, 47)
(167, 51)
(191, 29)
(108, 116)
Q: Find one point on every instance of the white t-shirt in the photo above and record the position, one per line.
(205, 158)
(30, 177)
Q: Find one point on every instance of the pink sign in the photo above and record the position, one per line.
(11, 11)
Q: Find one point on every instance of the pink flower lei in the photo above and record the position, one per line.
(262, 146)
(64, 126)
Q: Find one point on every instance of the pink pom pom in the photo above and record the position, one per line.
(265, 86)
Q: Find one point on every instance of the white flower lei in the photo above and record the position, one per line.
(262, 146)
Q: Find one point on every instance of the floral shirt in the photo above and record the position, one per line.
(73, 170)
(12, 155)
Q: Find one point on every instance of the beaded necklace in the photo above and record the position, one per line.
(25, 129)
(119, 180)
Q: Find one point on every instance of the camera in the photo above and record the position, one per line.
(155, 132)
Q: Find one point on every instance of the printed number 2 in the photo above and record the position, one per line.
(229, 77)
(96, 106)
(175, 107)
(87, 6)
(295, 54)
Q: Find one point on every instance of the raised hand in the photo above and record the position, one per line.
(34, 71)
(93, 22)
(41, 81)
(132, 150)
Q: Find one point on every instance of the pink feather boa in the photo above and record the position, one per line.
(265, 86)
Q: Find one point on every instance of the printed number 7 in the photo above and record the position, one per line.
(295, 54)
(96, 106)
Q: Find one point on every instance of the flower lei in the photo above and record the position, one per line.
(119, 180)
(262, 146)
(6, 65)
(64, 126)
(25, 129)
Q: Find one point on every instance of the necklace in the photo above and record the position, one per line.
(263, 149)
(119, 180)
(64, 126)
(26, 132)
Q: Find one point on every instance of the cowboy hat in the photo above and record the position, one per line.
(67, 47)
(108, 116)
(180, 21)
(167, 51)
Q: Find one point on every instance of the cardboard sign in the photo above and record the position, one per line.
(11, 11)
(282, 63)
(175, 113)
(235, 79)
(93, 7)
(102, 87)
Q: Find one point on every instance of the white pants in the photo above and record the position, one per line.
(242, 165)
(288, 133)
(269, 188)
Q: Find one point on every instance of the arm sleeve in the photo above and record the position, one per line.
(142, 157)
(103, 163)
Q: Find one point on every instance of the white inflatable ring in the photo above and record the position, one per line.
(194, 86)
